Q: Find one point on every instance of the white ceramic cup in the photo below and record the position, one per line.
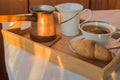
(102, 39)
(70, 17)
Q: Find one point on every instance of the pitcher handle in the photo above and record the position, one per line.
(90, 14)
(71, 17)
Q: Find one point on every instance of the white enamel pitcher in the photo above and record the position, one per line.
(70, 17)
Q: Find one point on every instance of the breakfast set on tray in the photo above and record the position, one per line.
(94, 43)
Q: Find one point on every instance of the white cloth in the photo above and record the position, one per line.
(22, 65)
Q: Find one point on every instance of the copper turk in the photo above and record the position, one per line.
(43, 29)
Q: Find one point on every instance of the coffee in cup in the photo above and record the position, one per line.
(97, 29)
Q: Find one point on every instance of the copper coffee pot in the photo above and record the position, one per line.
(42, 20)
(43, 29)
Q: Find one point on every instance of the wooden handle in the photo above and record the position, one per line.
(13, 18)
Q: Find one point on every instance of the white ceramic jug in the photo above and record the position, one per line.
(70, 17)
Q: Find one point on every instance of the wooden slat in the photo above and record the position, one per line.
(112, 66)
(98, 4)
(118, 4)
(113, 4)
(104, 4)
(85, 3)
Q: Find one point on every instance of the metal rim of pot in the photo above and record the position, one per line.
(42, 8)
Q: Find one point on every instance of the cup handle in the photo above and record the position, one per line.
(117, 40)
(90, 14)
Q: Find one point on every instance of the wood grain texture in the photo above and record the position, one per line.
(113, 4)
(22, 6)
(104, 4)
(13, 6)
(98, 4)
(118, 4)
(13, 18)
(85, 3)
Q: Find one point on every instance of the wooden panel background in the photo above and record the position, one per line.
(13, 6)
(22, 6)
(104, 4)
(54, 2)
(113, 4)
(98, 4)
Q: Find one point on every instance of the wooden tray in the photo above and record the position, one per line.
(60, 54)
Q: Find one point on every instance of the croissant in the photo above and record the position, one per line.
(92, 50)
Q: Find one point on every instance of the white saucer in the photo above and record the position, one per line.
(110, 45)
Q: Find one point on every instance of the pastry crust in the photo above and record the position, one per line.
(101, 53)
(83, 47)
(90, 49)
